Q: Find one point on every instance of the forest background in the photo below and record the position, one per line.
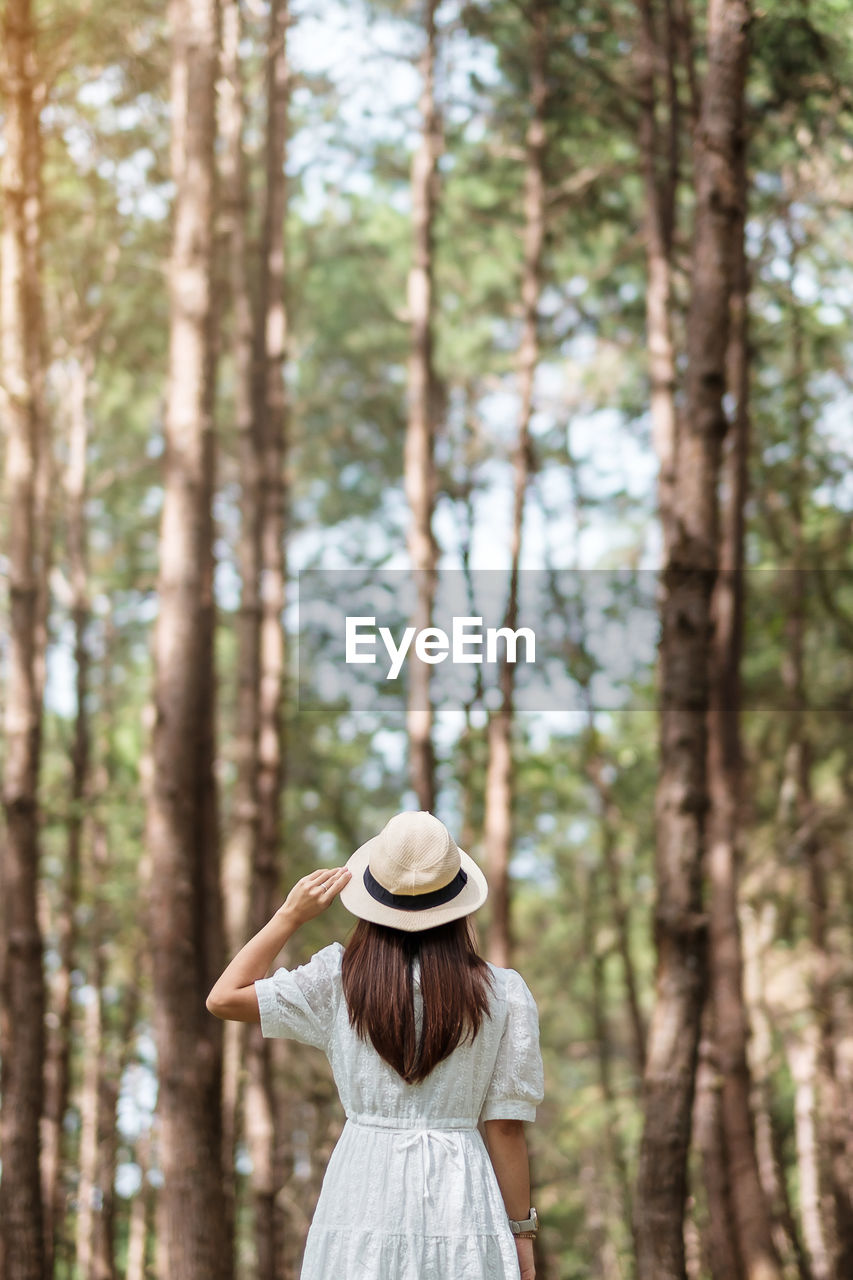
(557, 290)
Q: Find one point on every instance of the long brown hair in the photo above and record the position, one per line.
(376, 976)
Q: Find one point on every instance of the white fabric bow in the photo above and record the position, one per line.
(425, 1137)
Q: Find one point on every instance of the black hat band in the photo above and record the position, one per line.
(415, 901)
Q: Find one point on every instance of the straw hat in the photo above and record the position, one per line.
(413, 875)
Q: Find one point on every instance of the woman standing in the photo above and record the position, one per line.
(425, 1039)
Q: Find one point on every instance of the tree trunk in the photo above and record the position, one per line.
(660, 201)
(87, 1184)
(185, 908)
(802, 1060)
(418, 464)
(497, 820)
(719, 1244)
(22, 985)
(609, 825)
(747, 1209)
(614, 1143)
(265, 1128)
(469, 739)
(244, 825)
(59, 1043)
(116, 1059)
(830, 1230)
(758, 936)
(140, 1215)
(691, 562)
(103, 1066)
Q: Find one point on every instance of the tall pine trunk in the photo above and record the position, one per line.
(596, 770)
(185, 909)
(140, 1213)
(758, 935)
(660, 176)
(719, 1246)
(22, 984)
(419, 464)
(499, 769)
(828, 1213)
(753, 1237)
(244, 819)
(266, 1119)
(688, 576)
(59, 1043)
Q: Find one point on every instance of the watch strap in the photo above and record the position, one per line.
(527, 1227)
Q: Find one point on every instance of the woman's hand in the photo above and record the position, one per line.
(524, 1248)
(313, 894)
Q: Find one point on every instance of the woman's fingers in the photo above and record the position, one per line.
(316, 891)
(327, 879)
(337, 880)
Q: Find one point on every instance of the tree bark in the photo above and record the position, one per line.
(140, 1214)
(719, 1245)
(87, 1185)
(802, 1060)
(418, 462)
(690, 567)
(244, 826)
(758, 934)
(22, 984)
(660, 201)
(104, 1058)
(59, 1044)
(747, 1209)
(185, 907)
(604, 1051)
(609, 825)
(499, 769)
(828, 1228)
(266, 1122)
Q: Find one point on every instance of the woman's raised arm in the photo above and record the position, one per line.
(233, 995)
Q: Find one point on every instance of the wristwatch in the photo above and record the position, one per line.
(525, 1230)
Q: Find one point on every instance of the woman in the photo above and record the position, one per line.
(425, 1039)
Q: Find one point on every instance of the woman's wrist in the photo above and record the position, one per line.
(288, 919)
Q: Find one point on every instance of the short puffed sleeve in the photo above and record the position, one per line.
(300, 1004)
(517, 1085)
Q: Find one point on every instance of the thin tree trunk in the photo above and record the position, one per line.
(719, 1244)
(140, 1214)
(682, 796)
(802, 1060)
(116, 1058)
(604, 1052)
(469, 739)
(829, 1232)
(58, 1045)
(185, 915)
(22, 985)
(243, 834)
(103, 1064)
(747, 1209)
(497, 824)
(87, 1185)
(758, 934)
(418, 463)
(266, 1123)
(609, 823)
(660, 200)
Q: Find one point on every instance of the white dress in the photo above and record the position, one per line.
(410, 1192)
